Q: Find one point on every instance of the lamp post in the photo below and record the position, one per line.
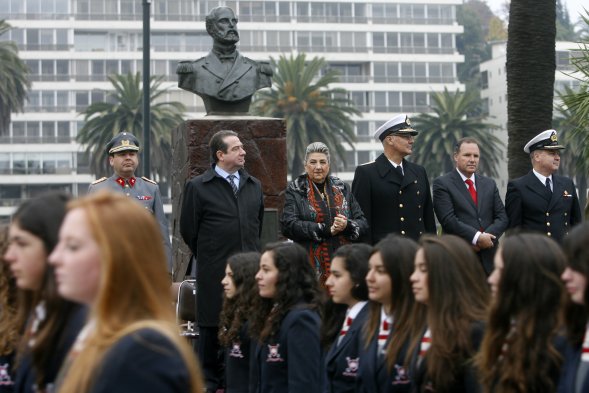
(146, 88)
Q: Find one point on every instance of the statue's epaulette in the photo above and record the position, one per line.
(184, 67)
(99, 180)
(266, 68)
(149, 180)
(366, 163)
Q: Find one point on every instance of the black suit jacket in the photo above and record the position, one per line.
(459, 215)
(530, 206)
(392, 203)
(215, 225)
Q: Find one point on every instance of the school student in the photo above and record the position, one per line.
(448, 279)
(287, 321)
(240, 289)
(523, 345)
(342, 330)
(394, 320)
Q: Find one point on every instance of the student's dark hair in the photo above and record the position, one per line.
(42, 216)
(457, 301)
(237, 309)
(526, 311)
(397, 253)
(217, 143)
(577, 253)
(462, 141)
(355, 259)
(296, 284)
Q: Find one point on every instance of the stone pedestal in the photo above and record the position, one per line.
(264, 141)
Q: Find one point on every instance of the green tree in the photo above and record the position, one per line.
(574, 161)
(313, 111)
(530, 76)
(475, 16)
(455, 116)
(14, 82)
(123, 111)
(565, 30)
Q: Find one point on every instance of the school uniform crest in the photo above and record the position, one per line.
(401, 375)
(273, 354)
(352, 369)
(5, 379)
(236, 351)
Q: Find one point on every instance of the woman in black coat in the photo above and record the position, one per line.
(320, 212)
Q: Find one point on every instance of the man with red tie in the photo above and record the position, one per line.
(123, 157)
(469, 205)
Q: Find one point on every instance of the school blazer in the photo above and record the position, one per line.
(291, 361)
(342, 361)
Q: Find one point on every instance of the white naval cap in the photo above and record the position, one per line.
(546, 140)
(399, 124)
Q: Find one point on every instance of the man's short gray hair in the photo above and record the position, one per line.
(317, 147)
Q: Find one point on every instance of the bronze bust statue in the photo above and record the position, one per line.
(224, 79)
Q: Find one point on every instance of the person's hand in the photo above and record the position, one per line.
(485, 240)
(340, 223)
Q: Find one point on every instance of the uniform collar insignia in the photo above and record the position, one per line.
(121, 181)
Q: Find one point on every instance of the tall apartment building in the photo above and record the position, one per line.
(391, 54)
(494, 92)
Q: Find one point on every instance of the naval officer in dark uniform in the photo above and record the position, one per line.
(122, 155)
(394, 194)
(541, 200)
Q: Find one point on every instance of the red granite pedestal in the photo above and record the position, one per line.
(264, 141)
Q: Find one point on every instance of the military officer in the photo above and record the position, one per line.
(394, 193)
(122, 156)
(541, 200)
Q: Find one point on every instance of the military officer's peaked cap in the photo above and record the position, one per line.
(124, 141)
(398, 125)
(546, 140)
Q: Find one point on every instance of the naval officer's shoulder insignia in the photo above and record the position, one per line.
(148, 180)
(366, 163)
(99, 180)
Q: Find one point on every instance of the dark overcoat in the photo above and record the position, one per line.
(215, 225)
(459, 215)
(532, 207)
(393, 203)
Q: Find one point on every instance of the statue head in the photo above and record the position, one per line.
(221, 24)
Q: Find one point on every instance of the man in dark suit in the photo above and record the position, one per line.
(394, 194)
(224, 79)
(542, 201)
(222, 213)
(469, 205)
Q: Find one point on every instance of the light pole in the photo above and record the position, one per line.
(146, 88)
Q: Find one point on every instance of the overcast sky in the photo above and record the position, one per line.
(575, 7)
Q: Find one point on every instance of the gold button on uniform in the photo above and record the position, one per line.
(402, 219)
(402, 232)
(549, 234)
(547, 214)
(401, 205)
(547, 224)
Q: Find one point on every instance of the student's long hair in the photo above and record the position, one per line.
(576, 249)
(397, 253)
(134, 288)
(296, 284)
(237, 309)
(518, 352)
(42, 216)
(458, 299)
(11, 301)
(355, 260)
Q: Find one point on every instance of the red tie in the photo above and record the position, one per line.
(473, 192)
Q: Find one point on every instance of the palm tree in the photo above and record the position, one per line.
(530, 76)
(574, 159)
(14, 83)
(456, 115)
(124, 112)
(312, 111)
